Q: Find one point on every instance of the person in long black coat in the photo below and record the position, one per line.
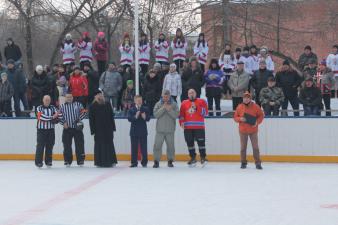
(102, 126)
(152, 90)
(93, 80)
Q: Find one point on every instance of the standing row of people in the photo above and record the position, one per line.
(102, 125)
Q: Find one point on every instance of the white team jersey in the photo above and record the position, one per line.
(332, 63)
(201, 52)
(255, 65)
(270, 65)
(68, 53)
(126, 54)
(144, 56)
(179, 50)
(162, 51)
(228, 62)
(86, 53)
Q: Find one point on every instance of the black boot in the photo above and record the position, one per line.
(259, 166)
(156, 164)
(170, 164)
(243, 165)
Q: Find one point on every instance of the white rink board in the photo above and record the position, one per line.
(278, 136)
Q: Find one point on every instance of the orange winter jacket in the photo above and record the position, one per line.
(251, 109)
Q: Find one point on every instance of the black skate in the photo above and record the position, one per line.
(192, 162)
(204, 161)
(39, 165)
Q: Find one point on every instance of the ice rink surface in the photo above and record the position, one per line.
(221, 193)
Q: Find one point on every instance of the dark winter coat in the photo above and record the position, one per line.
(152, 89)
(18, 80)
(12, 52)
(306, 59)
(93, 78)
(310, 96)
(138, 127)
(40, 87)
(53, 91)
(192, 80)
(259, 80)
(6, 91)
(289, 81)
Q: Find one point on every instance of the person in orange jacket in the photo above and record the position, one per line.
(249, 115)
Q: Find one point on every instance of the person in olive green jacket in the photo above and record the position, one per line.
(166, 112)
(271, 98)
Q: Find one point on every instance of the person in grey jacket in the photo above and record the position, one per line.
(173, 82)
(166, 112)
(111, 84)
(238, 84)
(6, 94)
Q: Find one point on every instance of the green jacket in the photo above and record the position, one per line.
(166, 120)
(274, 94)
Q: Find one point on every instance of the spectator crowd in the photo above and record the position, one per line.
(313, 84)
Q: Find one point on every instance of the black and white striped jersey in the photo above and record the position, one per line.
(71, 113)
(45, 117)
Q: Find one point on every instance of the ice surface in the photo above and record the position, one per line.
(221, 193)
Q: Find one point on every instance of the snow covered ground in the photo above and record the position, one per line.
(281, 194)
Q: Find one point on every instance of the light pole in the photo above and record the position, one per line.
(137, 77)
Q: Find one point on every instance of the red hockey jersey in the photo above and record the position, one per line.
(192, 113)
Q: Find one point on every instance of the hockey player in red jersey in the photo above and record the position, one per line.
(192, 115)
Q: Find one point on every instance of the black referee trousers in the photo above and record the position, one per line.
(45, 144)
(67, 139)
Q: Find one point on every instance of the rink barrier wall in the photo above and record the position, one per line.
(290, 139)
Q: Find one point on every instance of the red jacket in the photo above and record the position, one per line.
(78, 85)
(101, 50)
(192, 114)
(252, 109)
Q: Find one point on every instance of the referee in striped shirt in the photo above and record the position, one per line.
(47, 116)
(72, 113)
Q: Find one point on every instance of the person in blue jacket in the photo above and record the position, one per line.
(138, 115)
(214, 82)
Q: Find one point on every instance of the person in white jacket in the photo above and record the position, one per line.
(255, 58)
(68, 50)
(179, 47)
(144, 57)
(172, 82)
(270, 65)
(332, 63)
(248, 61)
(162, 50)
(85, 46)
(127, 52)
(201, 50)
